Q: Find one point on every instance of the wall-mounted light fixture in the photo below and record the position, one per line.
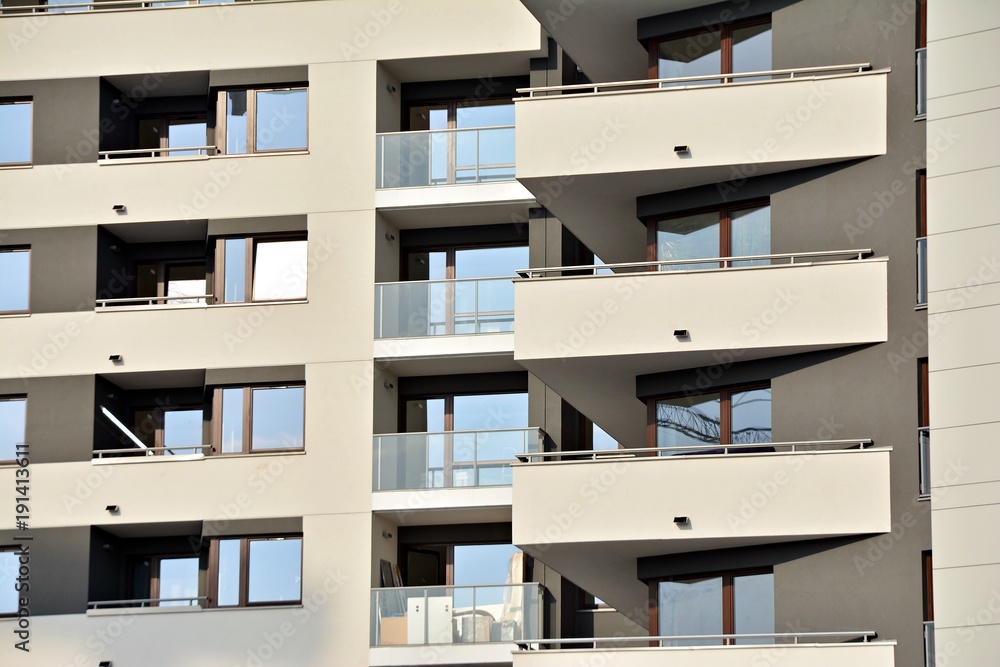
(682, 333)
(116, 358)
(390, 237)
(390, 88)
(386, 534)
(682, 150)
(388, 385)
(114, 509)
(119, 209)
(104, 663)
(682, 520)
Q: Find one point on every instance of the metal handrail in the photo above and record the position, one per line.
(725, 78)
(447, 130)
(105, 6)
(455, 586)
(629, 452)
(148, 451)
(865, 635)
(142, 151)
(145, 602)
(149, 300)
(446, 280)
(726, 261)
(473, 430)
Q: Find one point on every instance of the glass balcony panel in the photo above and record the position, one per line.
(449, 459)
(441, 308)
(455, 614)
(921, 82)
(443, 157)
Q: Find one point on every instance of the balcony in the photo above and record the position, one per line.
(567, 504)
(444, 317)
(449, 470)
(821, 649)
(460, 624)
(444, 157)
(589, 336)
(588, 151)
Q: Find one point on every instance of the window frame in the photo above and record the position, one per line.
(15, 550)
(725, 409)
(163, 130)
(14, 249)
(154, 574)
(31, 131)
(159, 429)
(449, 464)
(922, 287)
(725, 212)
(247, 419)
(222, 128)
(725, 43)
(923, 429)
(244, 570)
(162, 268)
(728, 596)
(250, 258)
(10, 398)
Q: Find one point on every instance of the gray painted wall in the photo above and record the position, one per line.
(65, 117)
(868, 392)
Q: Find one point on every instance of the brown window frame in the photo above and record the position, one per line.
(162, 268)
(244, 574)
(250, 261)
(154, 573)
(221, 129)
(725, 409)
(725, 43)
(449, 423)
(9, 399)
(13, 549)
(12, 249)
(159, 431)
(247, 431)
(31, 130)
(725, 224)
(163, 128)
(728, 597)
(453, 104)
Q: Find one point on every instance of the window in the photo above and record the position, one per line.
(171, 282)
(15, 132)
(248, 571)
(161, 134)
(739, 47)
(8, 577)
(924, 431)
(738, 416)
(172, 430)
(481, 147)
(922, 61)
(463, 459)
(922, 238)
(260, 269)
(15, 273)
(259, 419)
(733, 231)
(12, 420)
(738, 603)
(263, 120)
(470, 304)
(927, 562)
(170, 580)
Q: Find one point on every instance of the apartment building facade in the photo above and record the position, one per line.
(436, 332)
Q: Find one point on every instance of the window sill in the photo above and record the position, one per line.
(16, 166)
(920, 306)
(11, 315)
(922, 116)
